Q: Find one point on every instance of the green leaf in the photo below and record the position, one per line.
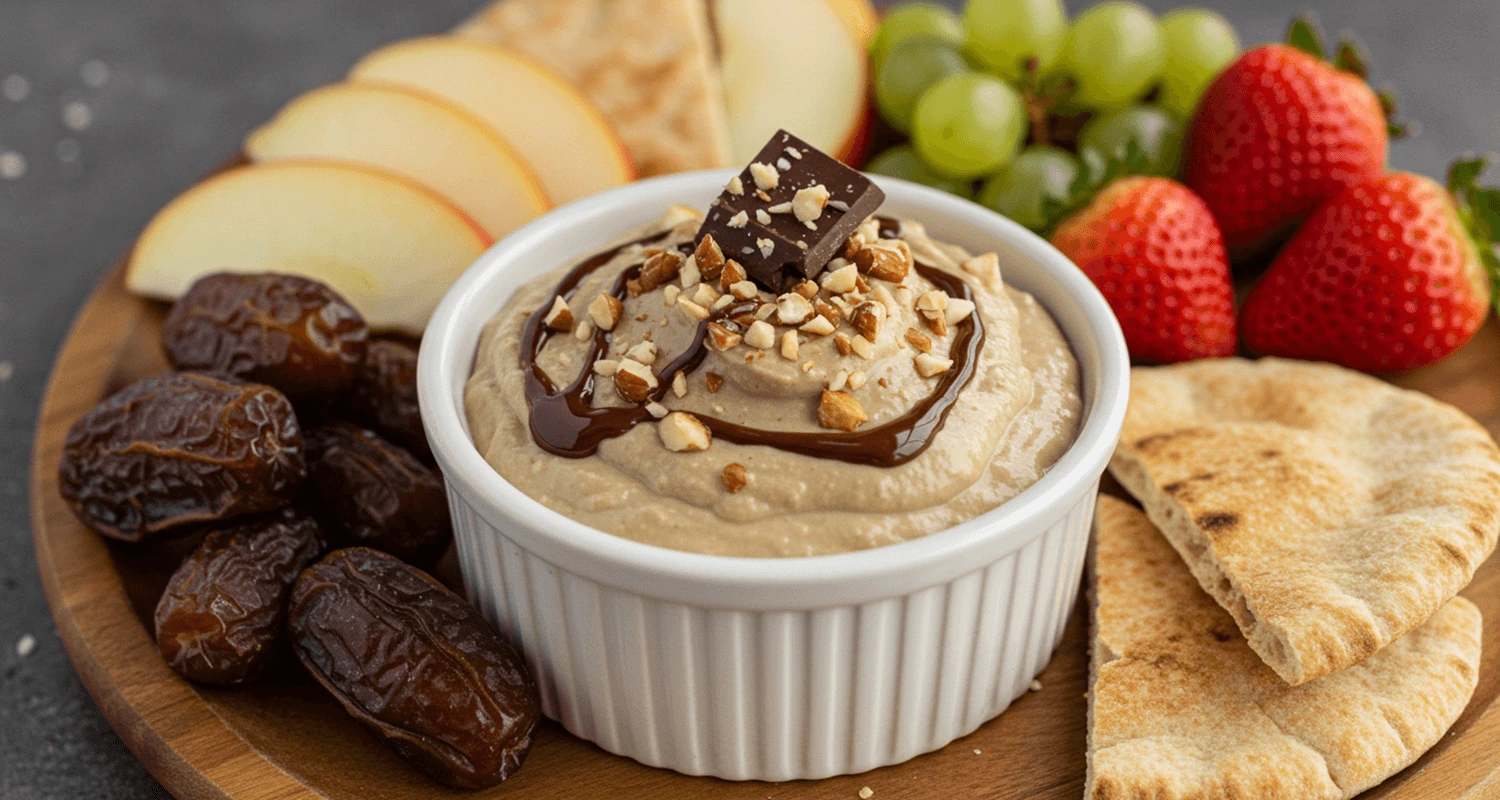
(1479, 208)
(1303, 35)
(1463, 175)
(1351, 57)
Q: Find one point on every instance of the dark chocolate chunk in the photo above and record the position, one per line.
(755, 220)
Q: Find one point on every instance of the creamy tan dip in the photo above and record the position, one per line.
(1018, 412)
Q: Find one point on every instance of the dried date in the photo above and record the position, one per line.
(283, 330)
(416, 664)
(223, 609)
(384, 395)
(178, 451)
(367, 491)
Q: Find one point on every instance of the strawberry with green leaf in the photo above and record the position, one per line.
(1392, 273)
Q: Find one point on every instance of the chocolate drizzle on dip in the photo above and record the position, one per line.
(565, 422)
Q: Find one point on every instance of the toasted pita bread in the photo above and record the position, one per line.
(648, 65)
(1180, 708)
(1327, 511)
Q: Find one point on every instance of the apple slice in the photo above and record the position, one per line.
(859, 17)
(554, 129)
(388, 245)
(789, 64)
(414, 135)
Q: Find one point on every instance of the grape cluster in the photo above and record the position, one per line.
(1016, 106)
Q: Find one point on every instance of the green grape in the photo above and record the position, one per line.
(1114, 54)
(909, 69)
(1157, 133)
(902, 162)
(913, 19)
(1038, 174)
(968, 125)
(1199, 45)
(1003, 34)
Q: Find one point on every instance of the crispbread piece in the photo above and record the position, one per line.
(1181, 709)
(648, 66)
(1329, 512)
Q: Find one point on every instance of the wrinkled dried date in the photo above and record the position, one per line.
(282, 330)
(416, 664)
(222, 611)
(367, 491)
(177, 451)
(384, 395)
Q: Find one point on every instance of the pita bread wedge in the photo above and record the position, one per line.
(1327, 511)
(648, 65)
(1181, 709)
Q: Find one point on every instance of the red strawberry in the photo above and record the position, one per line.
(1382, 277)
(1279, 131)
(1153, 249)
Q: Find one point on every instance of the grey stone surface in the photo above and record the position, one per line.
(186, 79)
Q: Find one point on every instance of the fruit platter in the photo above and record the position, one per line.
(583, 403)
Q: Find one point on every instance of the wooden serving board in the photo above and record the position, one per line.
(285, 738)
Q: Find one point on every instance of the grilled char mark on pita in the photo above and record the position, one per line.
(1328, 512)
(1181, 709)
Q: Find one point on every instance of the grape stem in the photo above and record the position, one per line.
(1039, 97)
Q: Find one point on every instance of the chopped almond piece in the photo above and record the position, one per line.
(734, 477)
(679, 384)
(840, 411)
(935, 322)
(761, 335)
(765, 311)
(723, 301)
(605, 311)
(957, 311)
(656, 410)
(713, 380)
(828, 311)
(808, 203)
(692, 309)
(739, 220)
(645, 352)
(867, 318)
(840, 379)
(732, 273)
(789, 345)
(659, 269)
(690, 274)
(862, 347)
(986, 268)
(634, 381)
(583, 330)
(929, 365)
(743, 290)
(842, 344)
(682, 432)
(919, 340)
(935, 300)
(856, 380)
(885, 259)
(606, 367)
(818, 326)
(793, 309)
(735, 186)
(709, 257)
(559, 318)
(807, 289)
(765, 175)
(670, 294)
(841, 280)
(722, 337)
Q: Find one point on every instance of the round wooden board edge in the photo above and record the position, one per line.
(180, 740)
(178, 737)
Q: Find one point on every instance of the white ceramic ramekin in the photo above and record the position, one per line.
(773, 669)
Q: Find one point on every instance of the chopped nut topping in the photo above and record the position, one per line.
(919, 340)
(659, 269)
(986, 268)
(841, 280)
(656, 410)
(819, 326)
(794, 152)
(807, 366)
(839, 380)
(842, 343)
(929, 365)
(783, 164)
(765, 311)
(680, 214)
(789, 345)
(867, 318)
(793, 309)
(634, 381)
(713, 380)
(856, 380)
(559, 318)
(861, 285)
(885, 259)
(839, 204)
(732, 273)
(903, 296)
(739, 220)
(679, 384)
(862, 347)
(869, 230)
(709, 258)
(808, 203)
(762, 217)
(583, 331)
(605, 311)
(935, 322)
(682, 432)
(692, 309)
(957, 311)
(781, 208)
(883, 296)
(734, 477)
(840, 411)
(762, 196)
(690, 274)
(723, 338)
(765, 175)
(645, 352)
(722, 302)
(705, 295)
(670, 294)
(766, 247)
(606, 367)
(736, 186)
(828, 311)
(744, 290)
(761, 335)
(935, 300)
(807, 289)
